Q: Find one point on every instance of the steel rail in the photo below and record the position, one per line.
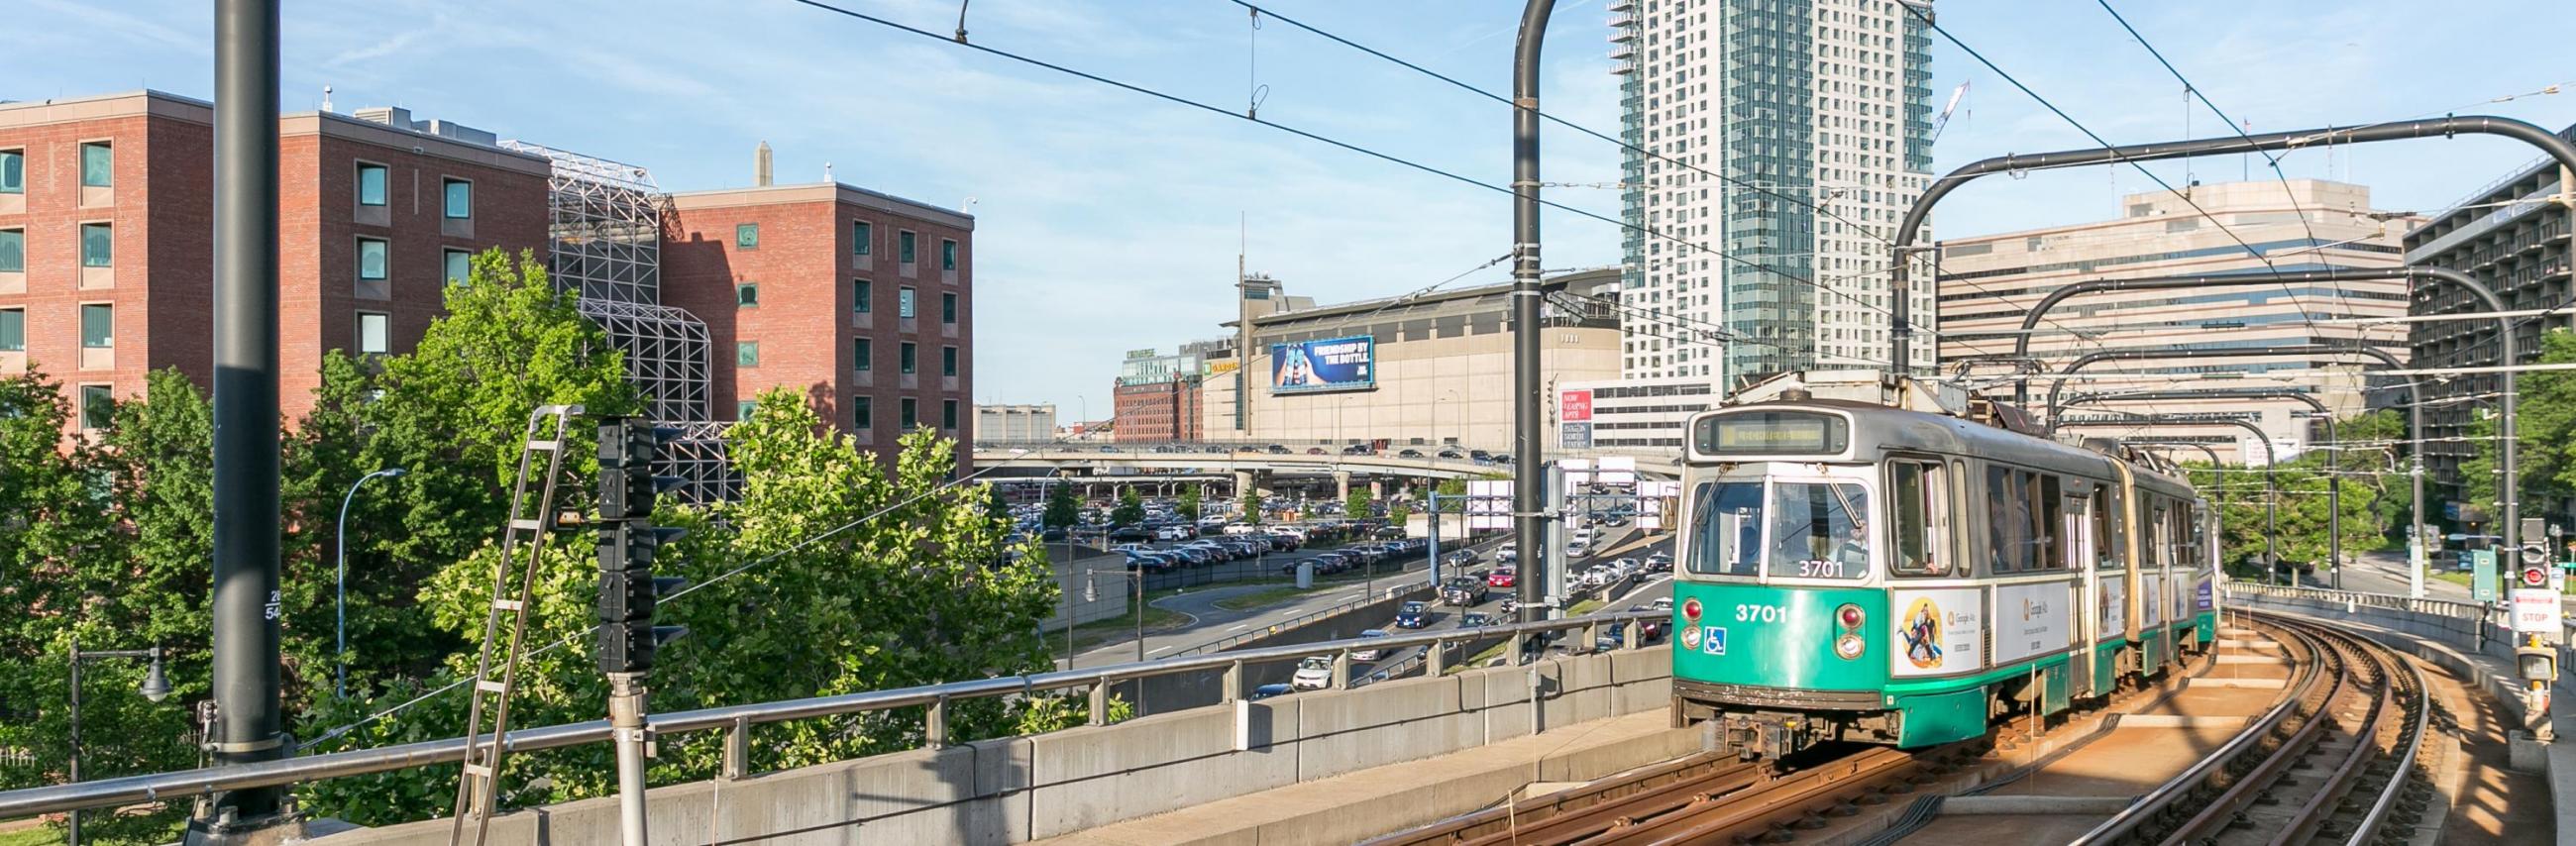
(180, 784)
(2365, 735)
(1513, 819)
(2175, 789)
(2245, 789)
(2412, 743)
(1754, 813)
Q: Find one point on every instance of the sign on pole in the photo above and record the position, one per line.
(2482, 575)
(2535, 610)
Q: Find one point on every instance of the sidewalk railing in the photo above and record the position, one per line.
(737, 721)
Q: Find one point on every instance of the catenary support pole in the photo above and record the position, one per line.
(1529, 461)
(246, 604)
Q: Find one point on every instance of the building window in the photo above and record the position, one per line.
(98, 245)
(948, 308)
(98, 326)
(911, 414)
(746, 353)
(861, 237)
(903, 303)
(371, 184)
(903, 246)
(97, 406)
(742, 410)
(372, 258)
(947, 361)
(862, 297)
(864, 352)
(13, 251)
(98, 165)
(746, 236)
(460, 266)
(948, 414)
(460, 199)
(863, 413)
(911, 352)
(13, 172)
(373, 331)
(746, 295)
(947, 254)
(13, 330)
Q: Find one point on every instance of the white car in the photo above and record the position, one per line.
(1239, 529)
(1314, 673)
(1172, 533)
(1371, 654)
(1625, 566)
(1578, 549)
(1664, 604)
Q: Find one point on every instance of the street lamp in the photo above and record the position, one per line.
(1091, 593)
(340, 673)
(155, 687)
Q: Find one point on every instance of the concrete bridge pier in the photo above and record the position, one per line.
(1342, 484)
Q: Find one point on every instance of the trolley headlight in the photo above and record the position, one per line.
(1849, 646)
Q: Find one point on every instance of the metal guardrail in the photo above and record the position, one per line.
(738, 720)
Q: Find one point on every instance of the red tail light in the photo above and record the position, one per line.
(1850, 616)
(1690, 609)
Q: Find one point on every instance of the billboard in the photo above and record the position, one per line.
(1332, 364)
(1489, 504)
(1574, 406)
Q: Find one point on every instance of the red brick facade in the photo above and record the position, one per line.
(803, 268)
(161, 213)
(1159, 411)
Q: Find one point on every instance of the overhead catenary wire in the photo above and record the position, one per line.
(2106, 144)
(2232, 124)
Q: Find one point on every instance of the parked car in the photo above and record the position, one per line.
(1413, 615)
(1314, 450)
(1313, 673)
(1409, 453)
(1452, 452)
(1503, 577)
(1172, 533)
(1276, 449)
(1650, 630)
(1371, 653)
(1269, 690)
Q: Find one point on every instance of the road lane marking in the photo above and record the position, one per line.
(1156, 649)
(1240, 627)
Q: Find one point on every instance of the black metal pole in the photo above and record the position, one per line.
(2334, 500)
(1528, 496)
(71, 836)
(248, 727)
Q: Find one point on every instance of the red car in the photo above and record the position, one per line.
(1502, 578)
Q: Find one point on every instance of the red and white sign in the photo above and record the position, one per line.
(1574, 406)
(2535, 610)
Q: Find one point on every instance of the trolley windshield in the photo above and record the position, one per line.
(1782, 529)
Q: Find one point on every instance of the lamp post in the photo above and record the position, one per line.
(340, 673)
(1091, 593)
(156, 687)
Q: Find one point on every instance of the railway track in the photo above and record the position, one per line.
(2327, 763)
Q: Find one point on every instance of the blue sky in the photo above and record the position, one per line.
(1108, 221)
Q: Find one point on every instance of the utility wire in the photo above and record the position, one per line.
(1345, 145)
(2106, 144)
(1812, 206)
(2233, 125)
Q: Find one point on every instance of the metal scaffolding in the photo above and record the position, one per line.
(606, 233)
(666, 356)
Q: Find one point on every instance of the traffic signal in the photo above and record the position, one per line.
(628, 543)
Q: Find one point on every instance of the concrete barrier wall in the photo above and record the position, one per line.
(1017, 789)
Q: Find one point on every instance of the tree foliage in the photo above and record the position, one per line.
(1130, 510)
(1356, 504)
(1188, 505)
(2373, 498)
(1062, 508)
(2545, 423)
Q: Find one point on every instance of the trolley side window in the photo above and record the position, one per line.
(1819, 530)
(1918, 498)
(2106, 540)
(2049, 507)
(2008, 532)
(1726, 536)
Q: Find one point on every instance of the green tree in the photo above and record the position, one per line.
(1251, 506)
(1188, 507)
(1062, 508)
(908, 587)
(1130, 510)
(1453, 495)
(1398, 512)
(1356, 504)
(2300, 488)
(2545, 421)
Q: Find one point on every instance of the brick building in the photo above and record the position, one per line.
(106, 230)
(856, 299)
(1167, 410)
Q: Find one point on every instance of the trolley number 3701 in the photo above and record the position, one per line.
(1753, 613)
